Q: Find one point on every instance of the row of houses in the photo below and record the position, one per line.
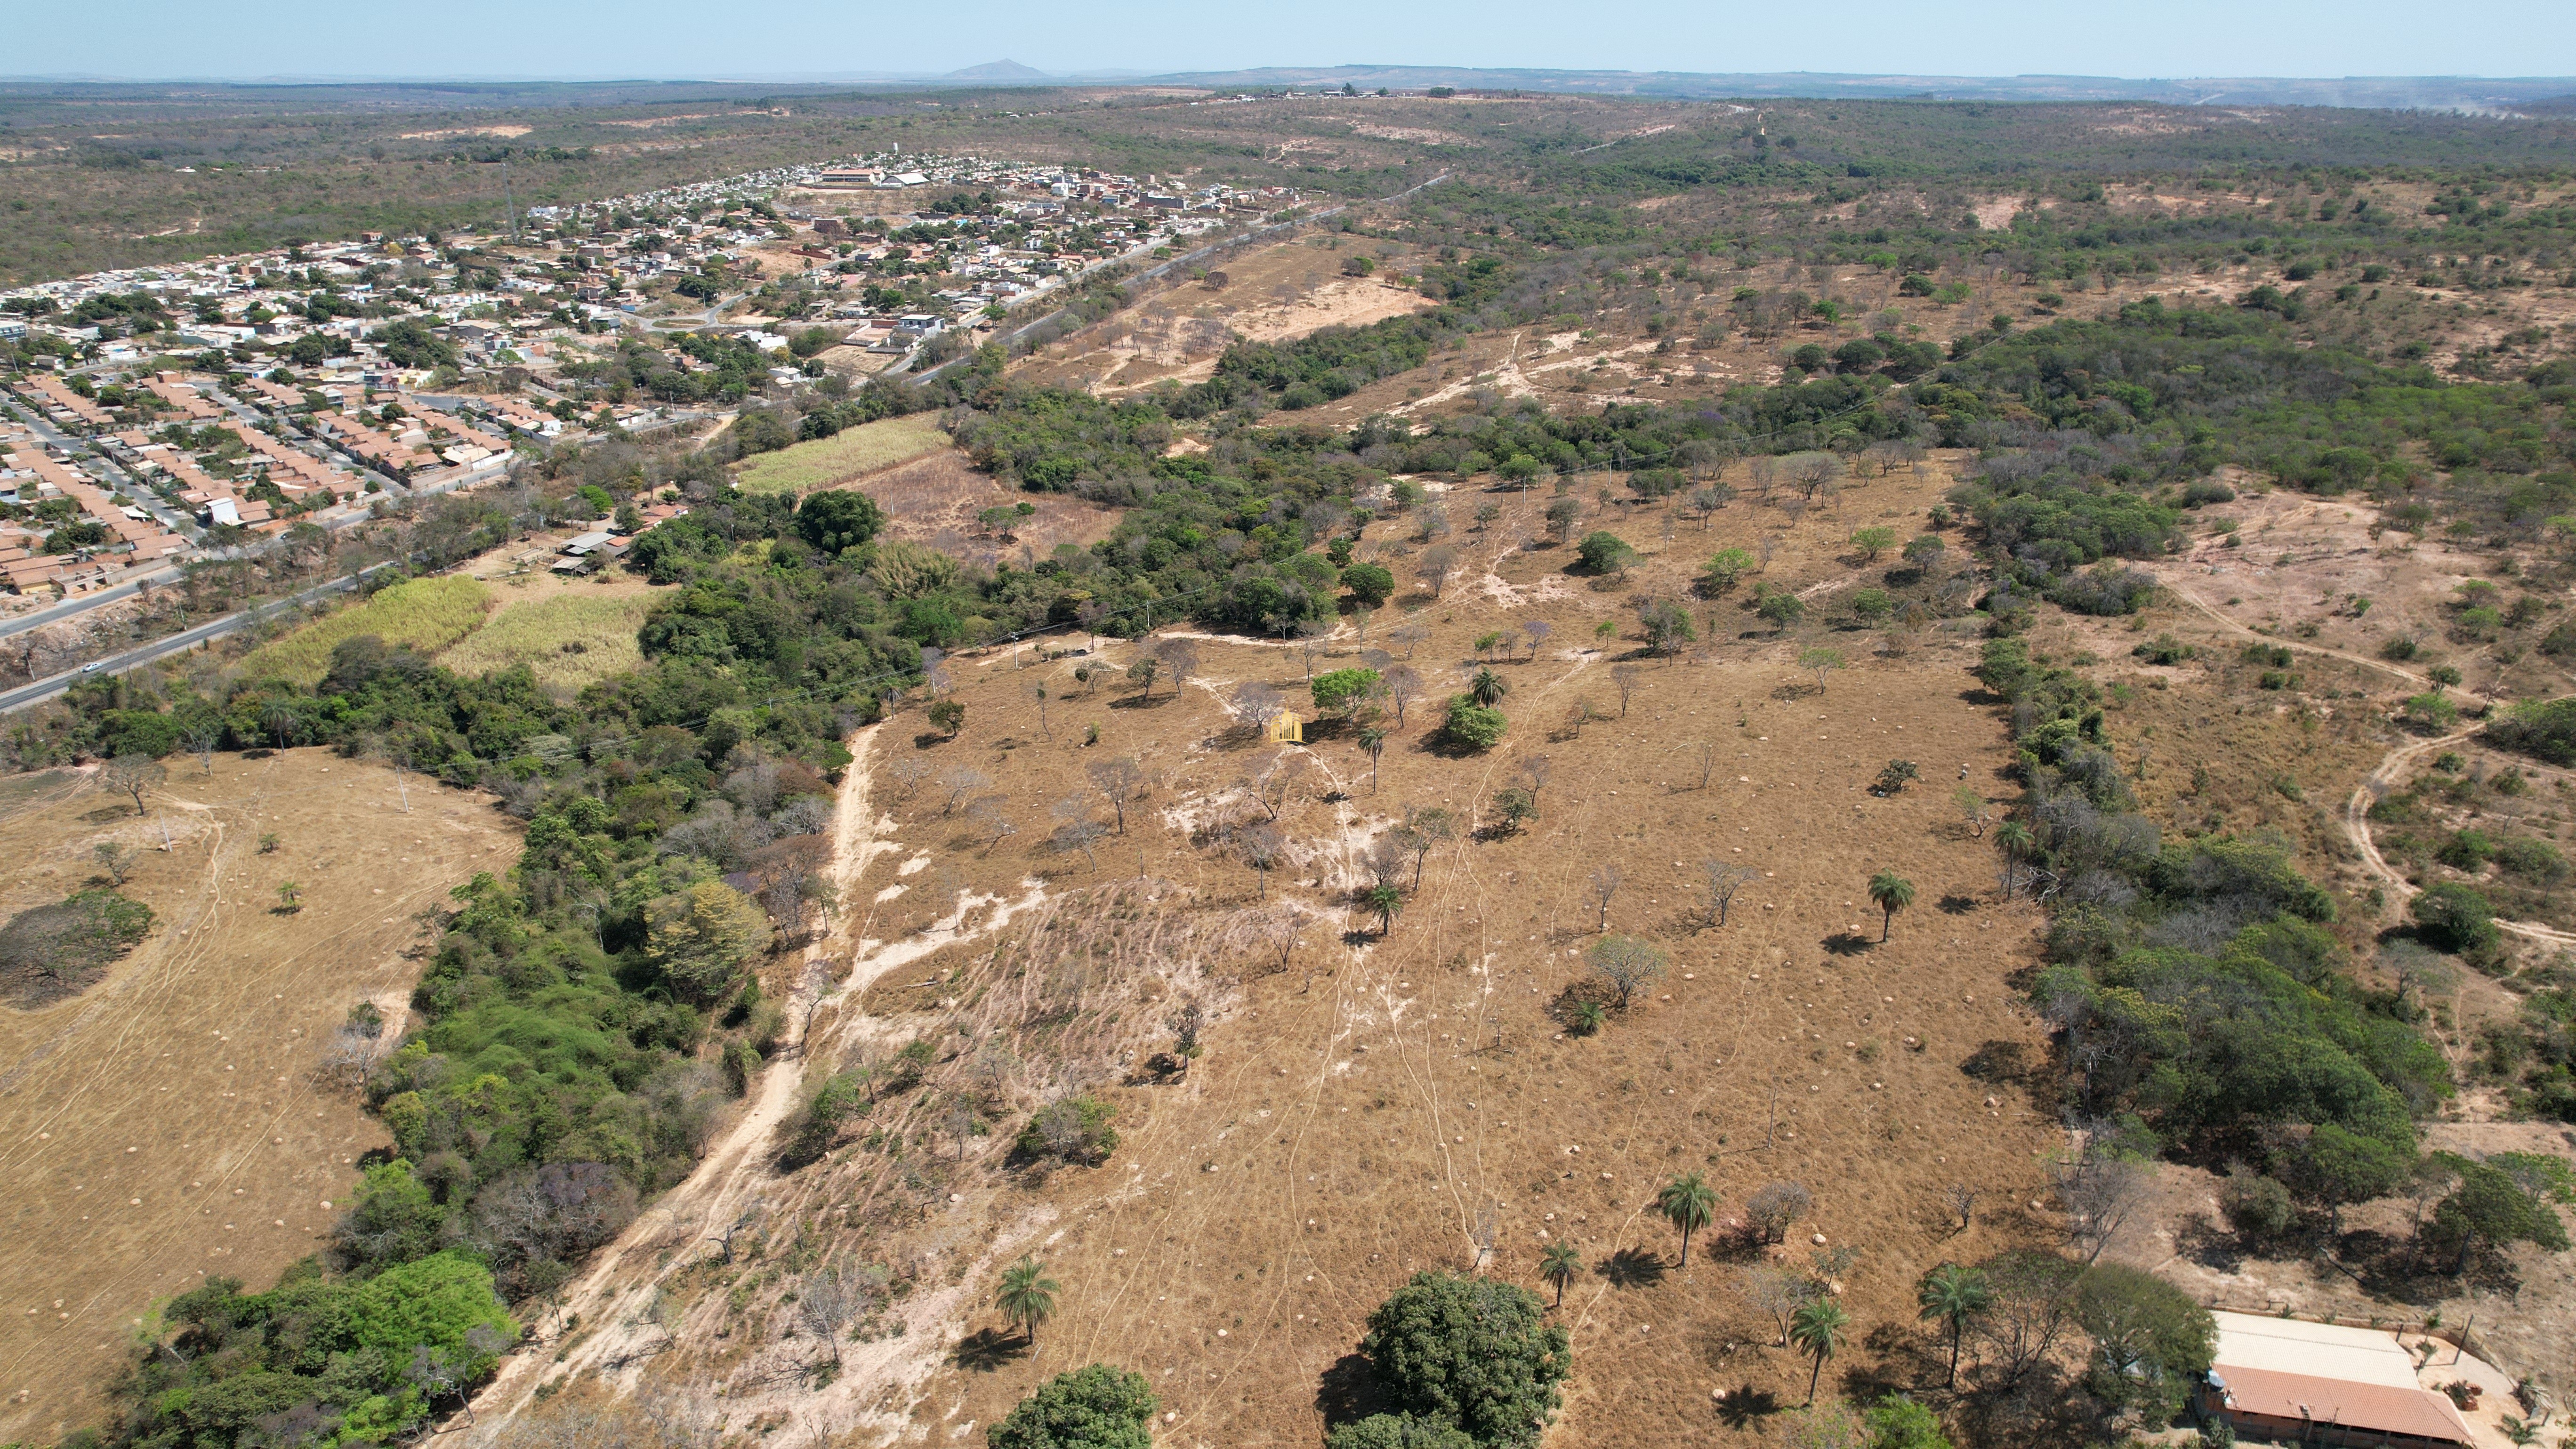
(33, 476)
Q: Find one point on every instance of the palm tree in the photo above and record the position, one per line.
(279, 717)
(1373, 740)
(1959, 1295)
(1027, 1296)
(1687, 1202)
(1487, 687)
(1818, 1329)
(1558, 1264)
(2013, 838)
(1386, 900)
(1892, 893)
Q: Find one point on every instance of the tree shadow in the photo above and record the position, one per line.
(1744, 1404)
(987, 1349)
(2209, 1244)
(1143, 701)
(1632, 1268)
(1348, 1391)
(929, 739)
(1958, 905)
(1845, 943)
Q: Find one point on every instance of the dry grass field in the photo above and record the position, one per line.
(1361, 1111)
(934, 500)
(427, 614)
(850, 453)
(569, 632)
(174, 1122)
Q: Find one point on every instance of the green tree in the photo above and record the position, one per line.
(2148, 1331)
(1027, 1296)
(2337, 1167)
(702, 936)
(1558, 1263)
(394, 1220)
(2453, 917)
(1725, 569)
(1371, 584)
(1338, 691)
(1820, 662)
(2490, 1207)
(1780, 609)
(839, 518)
(1473, 726)
(948, 715)
(1604, 552)
(1471, 1352)
(1488, 688)
(1890, 893)
(1688, 1203)
(1817, 1330)
(1096, 1407)
(1873, 541)
(1958, 1296)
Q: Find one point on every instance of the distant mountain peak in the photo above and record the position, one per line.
(997, 70)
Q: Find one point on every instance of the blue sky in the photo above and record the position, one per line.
(666, 38)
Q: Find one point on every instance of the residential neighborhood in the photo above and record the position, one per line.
(159, 414)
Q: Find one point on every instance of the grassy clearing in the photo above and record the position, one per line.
(569, 640)
(427, 614)
(846, 454)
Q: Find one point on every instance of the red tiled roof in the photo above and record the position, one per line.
(2379, 1408)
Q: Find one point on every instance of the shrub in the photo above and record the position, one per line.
(1074, 1129)
(2106, 590)
(2256, 1205)
(1097, 1407)
(1471, 725)
(1398, 1431)
(1340, 689)
(1775, 1208)
(2536, 861)
(1724, 569)
(2164, 649)
(2543, 728)
(1604, 552)
(2468, 850)
(1469, 1352)
(2454, 918)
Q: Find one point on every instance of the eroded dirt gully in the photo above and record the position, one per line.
(602, 1324)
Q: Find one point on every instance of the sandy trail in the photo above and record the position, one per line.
(741, 1169)
(729, 1175)
(2383, 777)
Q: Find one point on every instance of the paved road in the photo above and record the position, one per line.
(44, 689)
(80, 604)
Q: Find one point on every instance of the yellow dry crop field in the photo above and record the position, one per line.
(569, 640)
(427, 614)
(844, 455)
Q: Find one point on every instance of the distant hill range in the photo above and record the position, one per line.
(2553, 96)
(2446, 93)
